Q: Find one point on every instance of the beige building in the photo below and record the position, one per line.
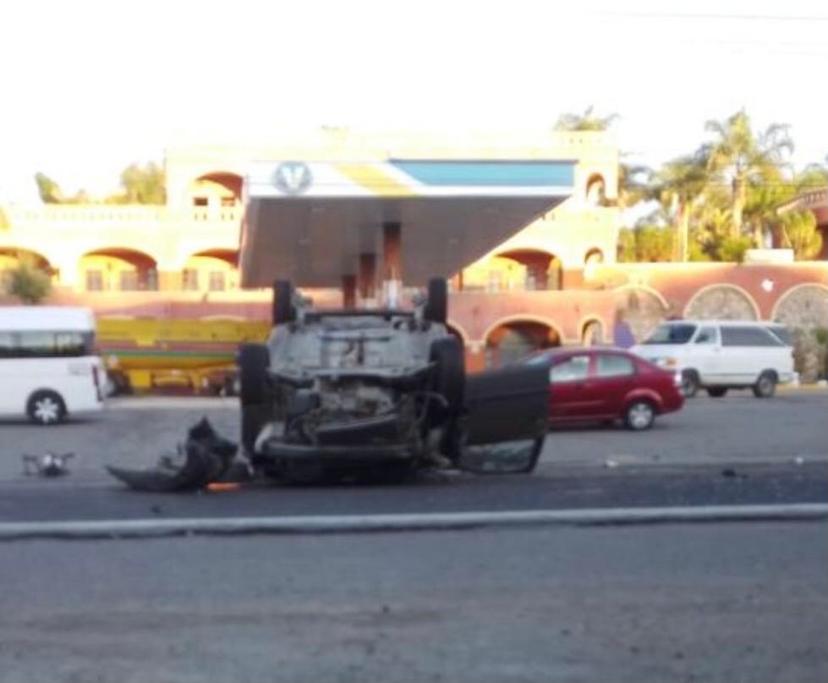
(191, 243)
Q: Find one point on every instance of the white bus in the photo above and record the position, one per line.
(48, 365)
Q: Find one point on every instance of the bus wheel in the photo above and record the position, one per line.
(46, 407)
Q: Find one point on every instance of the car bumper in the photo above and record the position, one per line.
(275, 450)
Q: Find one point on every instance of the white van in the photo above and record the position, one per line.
(720, 355)
(48, 365)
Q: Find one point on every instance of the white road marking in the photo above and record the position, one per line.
(149, 528)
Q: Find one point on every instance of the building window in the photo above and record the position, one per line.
(94, 281)
(128, 281)
(199, 201)
(189, 279)
(216, 281)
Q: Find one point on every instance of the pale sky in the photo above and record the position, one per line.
(89, 86)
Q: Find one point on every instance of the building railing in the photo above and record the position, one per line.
(55, 214)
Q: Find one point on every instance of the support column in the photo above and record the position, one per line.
(367, 278)
(391, 252)
(349, 291)
(391, 264)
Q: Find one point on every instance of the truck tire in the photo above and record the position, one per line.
(283, 309)
(436, 308)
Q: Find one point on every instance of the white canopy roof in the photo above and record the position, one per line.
(309, 222)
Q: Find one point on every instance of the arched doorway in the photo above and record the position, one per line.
(12, 258)
(593, 333)
(641, 308)
(212, 270)
(217, 189)
(596, 190)
(511, 340)
(543, 270)
(118, 269)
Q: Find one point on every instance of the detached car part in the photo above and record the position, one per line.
(205, 457)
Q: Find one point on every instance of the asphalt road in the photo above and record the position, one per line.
(712, 602)
(735, 429)
(737, 450)
(733, 603)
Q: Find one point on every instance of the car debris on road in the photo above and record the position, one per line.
(205, 458)
(47, 464)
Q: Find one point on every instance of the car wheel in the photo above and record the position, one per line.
(46, 407)
(765, 386)
(283, 309)
(716, 392)
(640, 415)
(449, 375)
(253, 361)
(436, 308)
(689, 383)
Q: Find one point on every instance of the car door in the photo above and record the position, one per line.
(613, 377)
(572, 395)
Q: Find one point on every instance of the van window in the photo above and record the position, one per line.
(782, 333)
(671, 334)
(707, 335)
(748, 336)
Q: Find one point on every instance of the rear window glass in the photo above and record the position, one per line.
(671, 334)
(610, 365)
(748, 336)
(570, 370)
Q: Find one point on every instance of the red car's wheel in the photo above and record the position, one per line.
(640, 415)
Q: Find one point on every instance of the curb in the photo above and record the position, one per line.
(155, 528)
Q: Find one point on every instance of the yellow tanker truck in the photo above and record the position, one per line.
(186, 356)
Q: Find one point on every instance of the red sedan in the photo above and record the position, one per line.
(604, 384)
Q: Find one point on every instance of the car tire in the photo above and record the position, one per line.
(449, 378)
(640, 415)
(765, 386)
(716, 392)
(46, 407)
(283, 309)
(436, 307)
(690, 383)
(253, 362)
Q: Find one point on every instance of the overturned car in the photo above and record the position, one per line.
(381, 391)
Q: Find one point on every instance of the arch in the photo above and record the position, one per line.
(803, 305)
(593, 331)
(458, 331)
(593, 256)
(641, 307)
(544, 270)
(596, 190)
(216, 188)
(723, 301)
(11, 257)
(213, 270)
(118, 269)
(514, 337)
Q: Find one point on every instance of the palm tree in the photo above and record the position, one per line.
(586, 121)
(679, 185)
(739, 158)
